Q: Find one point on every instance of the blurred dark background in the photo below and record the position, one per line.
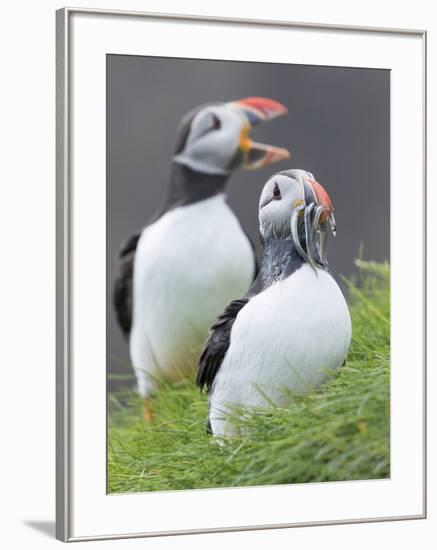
(338, 128)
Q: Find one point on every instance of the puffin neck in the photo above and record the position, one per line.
(280, 259)
(188, 186)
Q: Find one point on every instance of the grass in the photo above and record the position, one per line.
(340, 432)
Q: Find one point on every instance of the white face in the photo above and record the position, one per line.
(213, 142)
(281, 194)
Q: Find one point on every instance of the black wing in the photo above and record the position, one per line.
(122, 294)
(217, 344)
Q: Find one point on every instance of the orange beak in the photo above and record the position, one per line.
(321, 198)
(260, 109)
(257, 110)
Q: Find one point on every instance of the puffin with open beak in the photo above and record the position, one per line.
(180, 271)
(293, 325)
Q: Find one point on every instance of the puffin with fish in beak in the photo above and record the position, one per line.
(179, 272)
(293, 325)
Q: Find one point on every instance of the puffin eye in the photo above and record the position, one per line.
(276, 191)
(216, 123)
(208, 124)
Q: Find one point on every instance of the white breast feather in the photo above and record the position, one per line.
(286, 338)
(188, 266)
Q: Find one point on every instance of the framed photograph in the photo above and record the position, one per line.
(240, 274)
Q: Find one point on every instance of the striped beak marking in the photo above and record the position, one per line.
(257, 110)
(311, 225)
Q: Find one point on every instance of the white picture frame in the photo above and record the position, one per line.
(84, 510)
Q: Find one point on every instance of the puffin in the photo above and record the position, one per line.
(293, 326)
(178, 273)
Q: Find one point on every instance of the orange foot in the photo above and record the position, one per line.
(149, 413)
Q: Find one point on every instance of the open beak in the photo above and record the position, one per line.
(257, 110)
